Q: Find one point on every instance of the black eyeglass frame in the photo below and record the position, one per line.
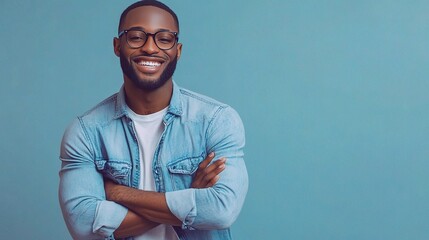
(124, 32)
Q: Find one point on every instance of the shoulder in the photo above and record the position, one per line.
(215, 112)
(201, 99)
(102, 113)
(200, 104)
(99, 115)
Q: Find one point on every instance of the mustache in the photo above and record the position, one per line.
(145, 55)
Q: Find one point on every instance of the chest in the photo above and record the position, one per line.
(178, 148)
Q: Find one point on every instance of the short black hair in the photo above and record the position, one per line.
(153, 3)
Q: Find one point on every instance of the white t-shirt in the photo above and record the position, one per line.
(149, 129)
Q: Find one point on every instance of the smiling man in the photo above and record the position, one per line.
(141, 164)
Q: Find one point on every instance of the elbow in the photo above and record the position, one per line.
(222, 211)
(83, 232)
(222, 218)
(80, 225)
(213, 219)
(228, 208)
(224, 221)
(77, 231)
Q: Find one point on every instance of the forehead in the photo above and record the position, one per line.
(149, 18)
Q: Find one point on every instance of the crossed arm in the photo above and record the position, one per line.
(89, 215)
(147, 209)
(93, 212)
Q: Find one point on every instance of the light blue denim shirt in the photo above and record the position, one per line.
(102, 143)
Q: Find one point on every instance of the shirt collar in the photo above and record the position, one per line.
(175, 107)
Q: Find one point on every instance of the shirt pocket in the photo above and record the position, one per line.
(115, 170)
(182, 170)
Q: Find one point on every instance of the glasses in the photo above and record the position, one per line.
(137, 38)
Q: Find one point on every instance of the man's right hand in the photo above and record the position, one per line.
(208, 174)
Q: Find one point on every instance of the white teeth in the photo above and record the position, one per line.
(150, 64)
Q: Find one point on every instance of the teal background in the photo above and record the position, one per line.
(333, 94)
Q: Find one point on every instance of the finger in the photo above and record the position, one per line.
(213, 173)
(196, 181)
(206, 161)
(202, 166)
(199, 174)
(214, 165)
(200, 179)
(213, 181)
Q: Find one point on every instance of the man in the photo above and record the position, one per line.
(141, 163)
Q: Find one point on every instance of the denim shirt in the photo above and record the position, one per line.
(102, 143)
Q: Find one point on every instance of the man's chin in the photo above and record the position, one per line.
(149, 84)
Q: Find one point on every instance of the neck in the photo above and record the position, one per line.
(147, 102)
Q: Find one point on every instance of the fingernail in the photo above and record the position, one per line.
(211, 154)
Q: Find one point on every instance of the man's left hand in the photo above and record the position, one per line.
(208, 174)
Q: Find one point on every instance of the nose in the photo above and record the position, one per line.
(149, 46)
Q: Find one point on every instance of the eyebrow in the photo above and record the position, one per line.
(142, 29)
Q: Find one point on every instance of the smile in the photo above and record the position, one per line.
(149, 63)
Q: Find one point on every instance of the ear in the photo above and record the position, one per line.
(116, 46)
(179, 50)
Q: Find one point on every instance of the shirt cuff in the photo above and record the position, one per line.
(182, 204)
(108, 216)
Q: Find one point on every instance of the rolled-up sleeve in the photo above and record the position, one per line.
(216, 207)
(87, 213)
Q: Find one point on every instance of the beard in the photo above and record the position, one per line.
(145, 84)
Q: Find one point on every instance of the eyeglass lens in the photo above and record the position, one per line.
(164, 40)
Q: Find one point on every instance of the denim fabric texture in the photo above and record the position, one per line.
(102, 143)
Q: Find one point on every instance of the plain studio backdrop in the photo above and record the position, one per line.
(333, 95)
